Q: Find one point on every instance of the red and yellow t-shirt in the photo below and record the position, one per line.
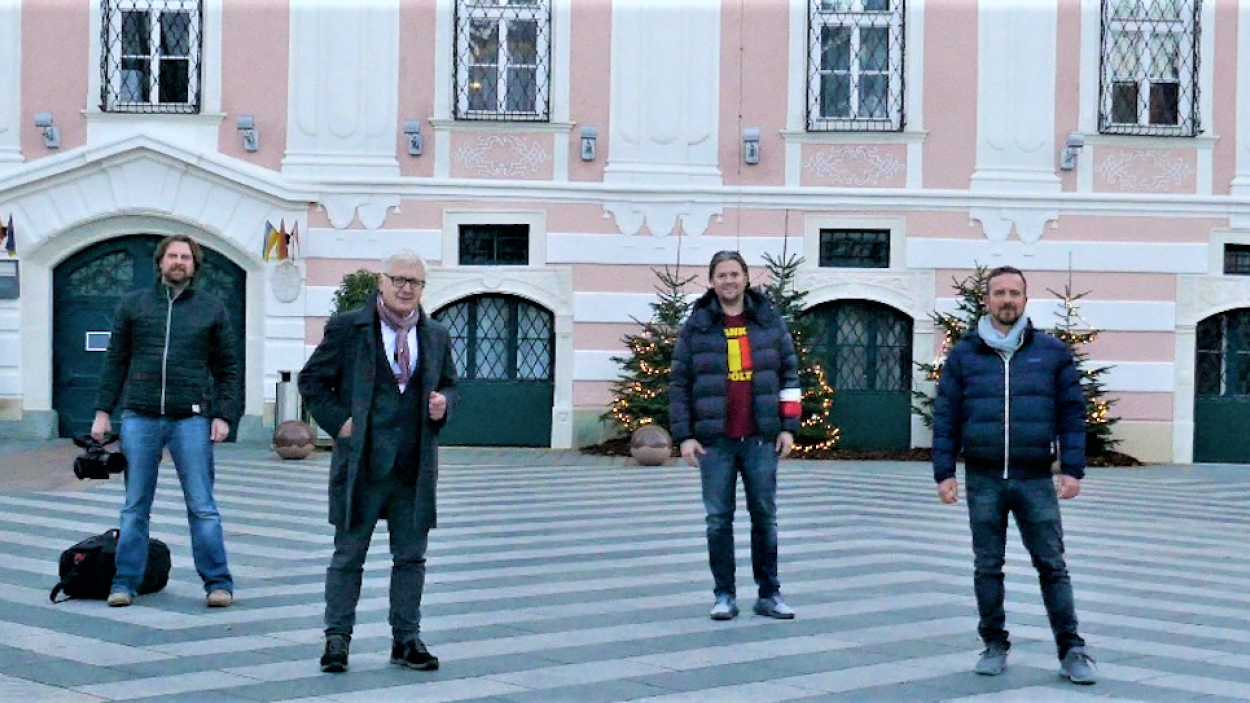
(740, 410)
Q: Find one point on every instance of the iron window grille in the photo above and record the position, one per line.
(151, 58)
(1237, 259)
(866, 346)
(1223, 351)
(855, 248)
(1149, 71)
(503, 60)
(855, 65)
(500, 338)
(494, 245)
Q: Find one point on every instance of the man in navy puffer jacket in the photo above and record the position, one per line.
(732, 359)
(1006, 396)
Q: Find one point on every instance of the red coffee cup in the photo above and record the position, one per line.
(791, 402)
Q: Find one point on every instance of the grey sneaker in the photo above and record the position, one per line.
(774, 607)
(120, 599)
(726, 608)
(1079, 666)
(993, 660)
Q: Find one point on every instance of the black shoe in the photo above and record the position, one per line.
(334, 658)
(413, 654)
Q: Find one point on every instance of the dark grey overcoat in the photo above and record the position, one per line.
(337, 383)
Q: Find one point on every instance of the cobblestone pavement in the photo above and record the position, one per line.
(561, 577)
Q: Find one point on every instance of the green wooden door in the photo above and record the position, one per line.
(86, 289)
(1222, 388)
(866, 348)
(504, 349)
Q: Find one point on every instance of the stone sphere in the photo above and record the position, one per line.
(651, 445)
(294, 440)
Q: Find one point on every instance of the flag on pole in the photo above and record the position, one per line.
(283, 252)
(293, 240)
(10, 241)
(272, 238)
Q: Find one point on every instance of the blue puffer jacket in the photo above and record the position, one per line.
(1041, 394)
(699, 380)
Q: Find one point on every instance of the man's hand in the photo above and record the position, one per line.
(101, 426)
(1068, 487)
(785, 442)
(220, 430)
(948, 490)
(438, 405)
(691, 450)
(346, 429)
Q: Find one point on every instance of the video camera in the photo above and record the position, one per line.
(98, 462)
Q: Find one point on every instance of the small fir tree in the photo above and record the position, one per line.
(1072, 330)
(816, 429)
(971, 308)
(640, 394)
(354, 290)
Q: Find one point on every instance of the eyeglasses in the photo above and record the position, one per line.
(404, 281)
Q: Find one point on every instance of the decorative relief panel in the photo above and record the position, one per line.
(502, 156)
(1156, 171)
(862, 165)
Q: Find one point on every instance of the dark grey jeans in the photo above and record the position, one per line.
(408, 545)
(1036, 508)
(756, 460)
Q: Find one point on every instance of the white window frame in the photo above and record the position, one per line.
(504, 12)
(1185, 30)
(112, 100)
(827, 13)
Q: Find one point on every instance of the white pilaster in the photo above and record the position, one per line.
(10, 83)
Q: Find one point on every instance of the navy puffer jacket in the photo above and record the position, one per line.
(699, 380)
(172, 356)
(1039, 389)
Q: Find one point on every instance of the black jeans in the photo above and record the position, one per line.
(1036, 508)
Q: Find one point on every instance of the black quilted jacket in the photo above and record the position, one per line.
(172, 356)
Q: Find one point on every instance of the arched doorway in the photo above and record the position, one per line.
(504, 347)
(1222, 388)
(867, 350)
(86, 289)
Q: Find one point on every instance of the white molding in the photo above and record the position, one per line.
(536, 220)
(1087, 256)
(11, 84)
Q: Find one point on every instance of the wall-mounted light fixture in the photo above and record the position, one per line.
(1067, 160)
(751, 145)
(590, 137)
(51, 133)
(416, 143)
(246, 125)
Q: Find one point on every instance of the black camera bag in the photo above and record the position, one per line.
(87, 568)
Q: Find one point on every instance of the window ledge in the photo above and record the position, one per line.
(905, 137)
(1204, 143)
(447, 125)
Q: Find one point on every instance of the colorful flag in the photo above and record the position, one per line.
(272, 238)
(293, 240)
(10, 241)
(283, 252)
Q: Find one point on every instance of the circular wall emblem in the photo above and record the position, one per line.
(287, 281)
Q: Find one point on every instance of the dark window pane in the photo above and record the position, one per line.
(175, 34)
(484, 42)
(1124, 103)
(835, 94)
(522, 89)
(486, 245)
(135, 37)
(854, 248)
(175, 80)
(1237, 259)
(835, 49)
(134, 80)
(873, 96)
(482, 87)
(1165, 103)
(874, 49)
(523, 43)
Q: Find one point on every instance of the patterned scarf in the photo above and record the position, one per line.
(401, 325)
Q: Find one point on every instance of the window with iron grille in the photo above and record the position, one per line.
(503, 60)
(855, 65)
(501, 338)
(855, 248)
(1223, 355)
(1237, 259)
(494, 245)
(151, 56)
(1149, 74)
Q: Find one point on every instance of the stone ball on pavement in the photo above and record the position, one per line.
(294, 440)
(651, 445)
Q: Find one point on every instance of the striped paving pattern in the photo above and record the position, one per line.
(560, 577)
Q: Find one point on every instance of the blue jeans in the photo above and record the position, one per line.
(397, 502)
(1036, 507)
(144, 439)
(756, 460)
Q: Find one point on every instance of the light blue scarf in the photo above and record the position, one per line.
(997, 340)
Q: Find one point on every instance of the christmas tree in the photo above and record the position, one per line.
(1098, 419)
(971, 308)
(640, 395)
(816, 429)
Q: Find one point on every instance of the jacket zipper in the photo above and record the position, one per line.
(169, 319)
(1006, 413)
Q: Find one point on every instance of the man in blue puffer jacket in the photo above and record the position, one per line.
(1007, 395)
(732, 359)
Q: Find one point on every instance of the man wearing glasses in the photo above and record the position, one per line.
(382, 382)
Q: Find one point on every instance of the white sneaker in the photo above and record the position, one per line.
(726, 608)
